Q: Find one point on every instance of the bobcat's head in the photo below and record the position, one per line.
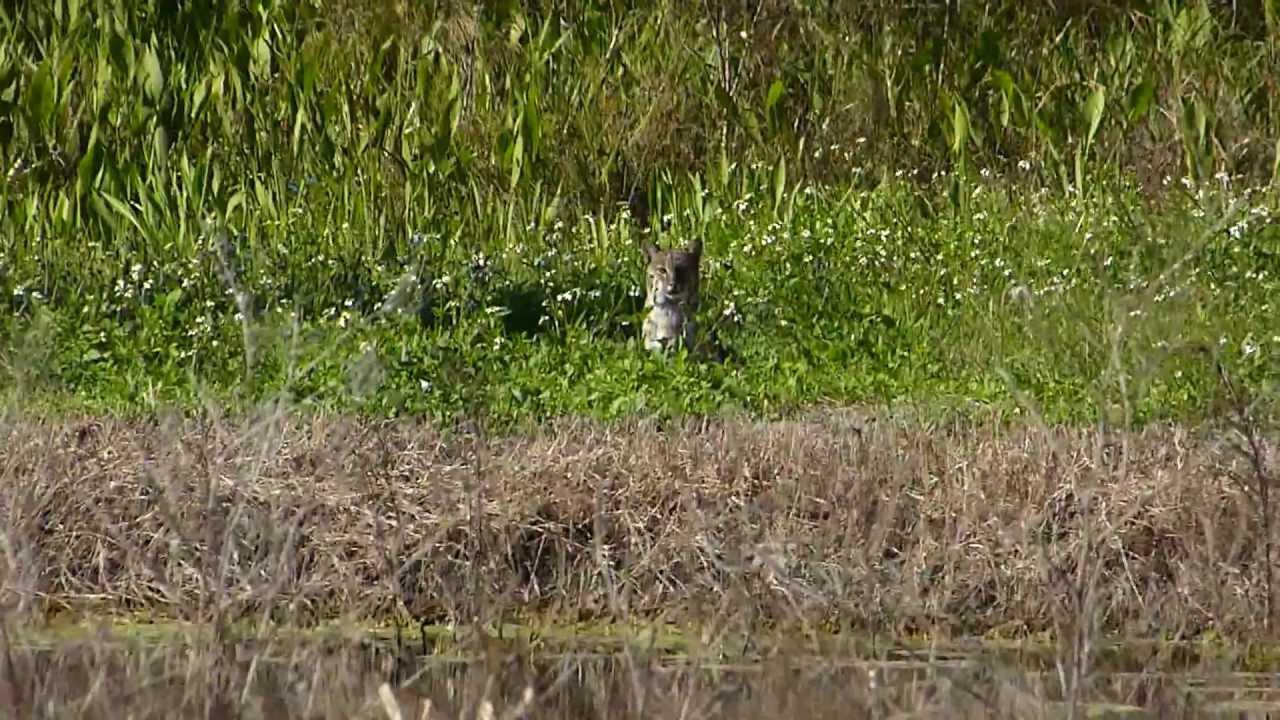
(672, 276)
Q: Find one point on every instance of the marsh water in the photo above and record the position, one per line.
(144, 675)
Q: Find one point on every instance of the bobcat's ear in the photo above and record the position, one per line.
(649, 250)
(695, 248)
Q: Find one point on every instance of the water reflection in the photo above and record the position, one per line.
(342, 679)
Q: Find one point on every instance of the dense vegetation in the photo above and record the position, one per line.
(435, 207)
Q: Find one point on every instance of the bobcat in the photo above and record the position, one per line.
(671, 296)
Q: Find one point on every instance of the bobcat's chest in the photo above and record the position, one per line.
(666, 325)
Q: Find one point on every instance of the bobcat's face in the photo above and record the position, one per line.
(672, 276)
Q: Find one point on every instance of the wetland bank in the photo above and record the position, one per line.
(286, 563)
(321, 356)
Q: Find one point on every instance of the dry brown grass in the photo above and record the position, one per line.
(874, 522)
(832, 521)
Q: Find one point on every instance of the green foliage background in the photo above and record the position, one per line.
(436, 207)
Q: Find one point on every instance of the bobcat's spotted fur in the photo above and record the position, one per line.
(671, 296)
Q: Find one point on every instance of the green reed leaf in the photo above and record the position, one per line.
(152, 74)
(1093, 109)
(39, 98)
